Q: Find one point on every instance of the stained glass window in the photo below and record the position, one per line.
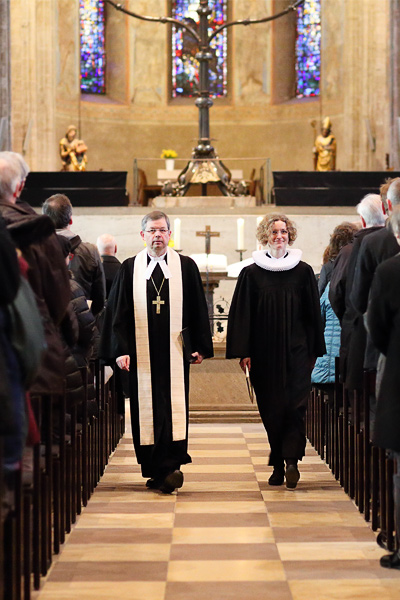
(185, 66)
(93, 59)
(308, 49)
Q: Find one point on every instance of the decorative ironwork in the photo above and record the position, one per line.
(204, 153)
(93, 62)
(308, 49)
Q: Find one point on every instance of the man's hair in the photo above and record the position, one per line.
(395, 220)
(370, 209)
(106, 244)
(10, 175)
(383, 190)
(59, 209)
(393, 193)
(18, 160)
(155, 216)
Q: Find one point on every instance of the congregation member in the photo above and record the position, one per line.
(107, 247)
(323, 375)
(157, 296)
(378, 247)
(383, 317)
(353, 334)
(47, 274)
(276, 331)
(86, 262)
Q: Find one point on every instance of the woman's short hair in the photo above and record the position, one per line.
(342, 235)
(266, 226)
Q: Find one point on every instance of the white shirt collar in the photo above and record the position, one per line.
(270, 263)
(154, 260)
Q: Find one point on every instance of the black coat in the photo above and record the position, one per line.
(111, 266)
(376, 248)
(353, 335)
(48, 276)
(384, 326)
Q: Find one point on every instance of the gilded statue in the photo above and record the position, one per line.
(325, 148)
(73, 151)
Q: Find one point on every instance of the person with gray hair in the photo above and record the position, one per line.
(157, 310)
(383, 317)
(86, 263)
(107, 247)
(353, 334)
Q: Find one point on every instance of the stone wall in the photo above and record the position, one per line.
(5, 81)
(137, 119)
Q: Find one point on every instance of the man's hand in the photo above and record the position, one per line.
(124, 362)
(245, 362)
(198, 357)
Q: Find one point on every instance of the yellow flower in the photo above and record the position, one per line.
(168, 154)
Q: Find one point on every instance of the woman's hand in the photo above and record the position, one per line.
(245, 362)
(124, 362)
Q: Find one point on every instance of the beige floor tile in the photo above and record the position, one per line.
(135, 590)
(354, 589)
(226, 570)
(222, 453)
(329, 551)
(258, 446)
(214, 429)
(220, 507)
(221, 535)
(193, 468)
(107, 521)
(115, 552)
(144, 495)
(282, 495)
(216, 441)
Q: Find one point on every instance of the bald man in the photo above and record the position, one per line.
(107, 247)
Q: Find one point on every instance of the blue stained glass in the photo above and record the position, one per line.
(308, 49)
(93, 59)
(185, 66)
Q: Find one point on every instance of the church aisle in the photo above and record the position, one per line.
(226, 535)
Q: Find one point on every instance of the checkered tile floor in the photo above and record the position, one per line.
(226, 535)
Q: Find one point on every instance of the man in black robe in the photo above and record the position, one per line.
(155, 296)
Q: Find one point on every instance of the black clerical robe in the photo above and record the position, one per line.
(118, 338)
(275, 320)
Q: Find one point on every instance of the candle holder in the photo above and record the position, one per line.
(241, 254)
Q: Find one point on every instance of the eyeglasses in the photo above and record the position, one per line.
(153, 231)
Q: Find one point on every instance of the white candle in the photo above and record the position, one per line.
(240, 234)
(177, 233)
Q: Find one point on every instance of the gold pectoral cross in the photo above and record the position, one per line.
(158, 302)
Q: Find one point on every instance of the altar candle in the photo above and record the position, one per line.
(177, 233)
(240, 234)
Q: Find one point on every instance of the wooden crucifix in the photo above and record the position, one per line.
(208, 234)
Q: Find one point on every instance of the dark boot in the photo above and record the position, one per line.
(292, 474)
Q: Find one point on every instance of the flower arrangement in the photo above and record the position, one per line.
(169, 154)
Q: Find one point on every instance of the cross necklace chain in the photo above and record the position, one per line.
(158, 301)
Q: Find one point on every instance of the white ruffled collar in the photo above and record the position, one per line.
(287, 262)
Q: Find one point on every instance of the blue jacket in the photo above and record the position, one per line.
(324, 370)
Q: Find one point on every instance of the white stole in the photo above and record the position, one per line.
(178, 403)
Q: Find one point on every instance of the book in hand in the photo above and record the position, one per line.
(249, 386)
(187, 345)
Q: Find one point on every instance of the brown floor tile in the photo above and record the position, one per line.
(223, 460)
(337, 569)
(109, 571)
(129, 507)
(304, 506)
(224, 552)
(120, 536)
(207, 496)
(323, 533)
(271, 590)
(219, 476)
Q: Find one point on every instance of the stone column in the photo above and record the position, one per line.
(33, 81)
(5, 84)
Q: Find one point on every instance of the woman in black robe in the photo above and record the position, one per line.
(275, 328)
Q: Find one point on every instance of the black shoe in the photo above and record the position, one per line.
(292, 476)
(172, 481)
(277, 477)
(153, 484)
(391, 561)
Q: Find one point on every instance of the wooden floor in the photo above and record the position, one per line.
(226, 535)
